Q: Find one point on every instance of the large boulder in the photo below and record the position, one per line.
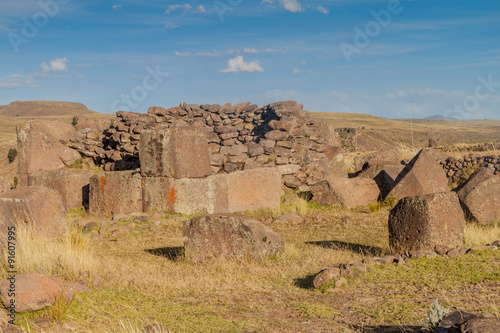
(236, 236)
(4, 185)
(384, 173)
(346, 192)
(116, 192)
(480, 196)
(33, 291)
(39, 205)
(477, 325)
(222, 193)
(422, 222)
(423, 175)
(6, 223)
(180, 152)
(72, 185)
(39, 147)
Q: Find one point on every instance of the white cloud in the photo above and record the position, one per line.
(171, 8)
(202, 9)
(182, 54)
(238, 64)
(117, 6)
(252, 50)
(54, 65)
(323, 10)
(296, 71)
(292, 5)
(170, 26)
(268, 50)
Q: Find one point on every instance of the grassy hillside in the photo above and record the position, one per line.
(60, 111)
(44, 109)
(397, 131)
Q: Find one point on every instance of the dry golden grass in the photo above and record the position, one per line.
(478, 235)
(147, 280)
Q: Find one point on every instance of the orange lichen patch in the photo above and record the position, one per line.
(103, 182)
(171, 198)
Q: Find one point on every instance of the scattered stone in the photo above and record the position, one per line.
(34, 291)
(289, 218)
(341, 282)
(325, 275)
(238, 236)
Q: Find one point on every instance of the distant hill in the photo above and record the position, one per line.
(44, 109)
(440, 117)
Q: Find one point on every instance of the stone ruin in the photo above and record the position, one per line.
(189, 159)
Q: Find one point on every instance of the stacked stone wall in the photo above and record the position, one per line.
(240, 137)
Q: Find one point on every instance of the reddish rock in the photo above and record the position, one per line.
(423, 175)
(117, 192)
(480, 196)
(34, 291)
(73, 185)
(422, 222)
(349, 192)
(177, 153)
(39, 147)
(229, 236)
(38, 205)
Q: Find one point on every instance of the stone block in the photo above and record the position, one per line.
(116, 192)
(180, 152)
(73, 185)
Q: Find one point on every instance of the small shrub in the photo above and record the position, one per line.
(436, 314)
(390, 201)
(12, 154)
(16, 180)
(74, 122)
(374, 207)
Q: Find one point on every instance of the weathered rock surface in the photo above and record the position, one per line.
(423, 175)
(480, 196)
(39, 147)
(34, 291)
(41, 206)
(222, 193)
(384, 173)
(422, 222)
(347, 192)
(4, 185)
(176, 153)
(73, 185)
(117, 192)
(236, 236)
(464, 322)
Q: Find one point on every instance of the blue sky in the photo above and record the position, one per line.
(375, 57)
